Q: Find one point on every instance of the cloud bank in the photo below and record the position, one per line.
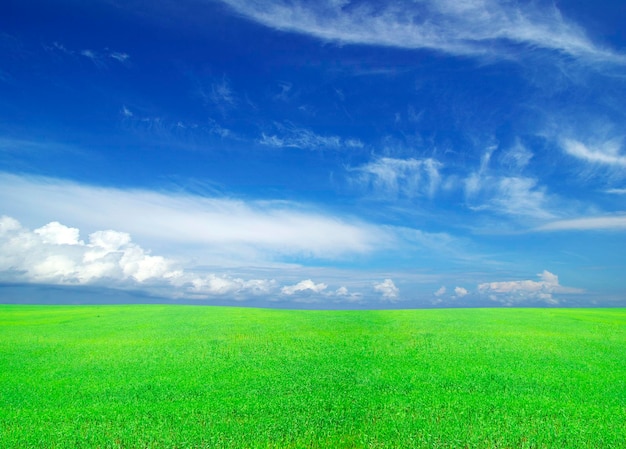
(518, 292)
(55, 254)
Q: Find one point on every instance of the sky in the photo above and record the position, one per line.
(313, 154)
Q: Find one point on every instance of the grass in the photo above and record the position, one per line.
(209, 377)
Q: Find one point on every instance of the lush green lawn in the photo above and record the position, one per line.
(182, 376)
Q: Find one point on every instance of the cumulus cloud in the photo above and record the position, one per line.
(224, 285)
(306, 286)
(440, 291)
(459, 292)
(387, 289)
(54, 253)
(475, 27)
(526, 291)
(407, 178)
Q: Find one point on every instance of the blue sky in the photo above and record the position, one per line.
(315, 154)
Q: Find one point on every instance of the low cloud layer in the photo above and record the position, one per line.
(56, 254)
(526, 291)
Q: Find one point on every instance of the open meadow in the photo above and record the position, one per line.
(158, 376)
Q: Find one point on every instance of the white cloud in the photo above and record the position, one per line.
(215, 230)
(400, 177)
(89, 54)
(54, 253)
(516, 157)
(288, 135)
(614, 222)
(222, 93)
(57, 234)
(460, 292)
(440, 291)
(474, 27)
(306, 286)
(516, 292)
(97, 57)
(606, 154)
(387, 289)
(118, 56)
(508, 195)
(213, 285)
(616, 191)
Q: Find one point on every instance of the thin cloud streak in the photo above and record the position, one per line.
(288, 135)
(615, 223)
(266, 228)
(607, 154)
(462, 28)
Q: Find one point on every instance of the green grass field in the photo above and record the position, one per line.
(189, 377)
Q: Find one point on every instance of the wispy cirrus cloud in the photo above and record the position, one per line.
(288, 135)
(219, 228)
(98, 57)
(607, 154)
(511, 195)
(474, 27)
(405, 178)
(602, 223)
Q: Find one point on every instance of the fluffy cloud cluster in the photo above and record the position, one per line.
(516, 292)
(54, 253)
(306, 286)
(387, 289)
(460, 292)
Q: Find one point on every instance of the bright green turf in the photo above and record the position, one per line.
(182, 376)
